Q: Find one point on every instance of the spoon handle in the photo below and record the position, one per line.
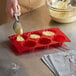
(16, 17)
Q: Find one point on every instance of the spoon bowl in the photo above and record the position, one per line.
(17, 27)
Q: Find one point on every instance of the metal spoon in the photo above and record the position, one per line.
(17, 27)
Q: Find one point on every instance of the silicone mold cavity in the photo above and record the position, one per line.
(59, 38)
(30, 43)
(44, 41)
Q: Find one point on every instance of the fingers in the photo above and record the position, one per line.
(11, 13)
(12, 7)
(18, 8)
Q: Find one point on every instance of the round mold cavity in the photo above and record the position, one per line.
(44, 41)
(30, 43)
(59, 38)
(48, 33)
(35, 35)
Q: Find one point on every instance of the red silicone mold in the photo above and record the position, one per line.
(33, 44)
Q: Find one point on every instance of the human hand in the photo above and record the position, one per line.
(12, 7)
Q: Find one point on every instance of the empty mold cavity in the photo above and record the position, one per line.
(44, 41)
(30, 43)
(59, 38)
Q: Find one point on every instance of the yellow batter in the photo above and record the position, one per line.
(48, 33)
(34, 36)
(20, 38)
(18, 29)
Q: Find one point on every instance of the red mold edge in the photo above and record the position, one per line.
(59, 38)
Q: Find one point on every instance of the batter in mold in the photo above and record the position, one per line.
(34, 36)
(48, 33)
